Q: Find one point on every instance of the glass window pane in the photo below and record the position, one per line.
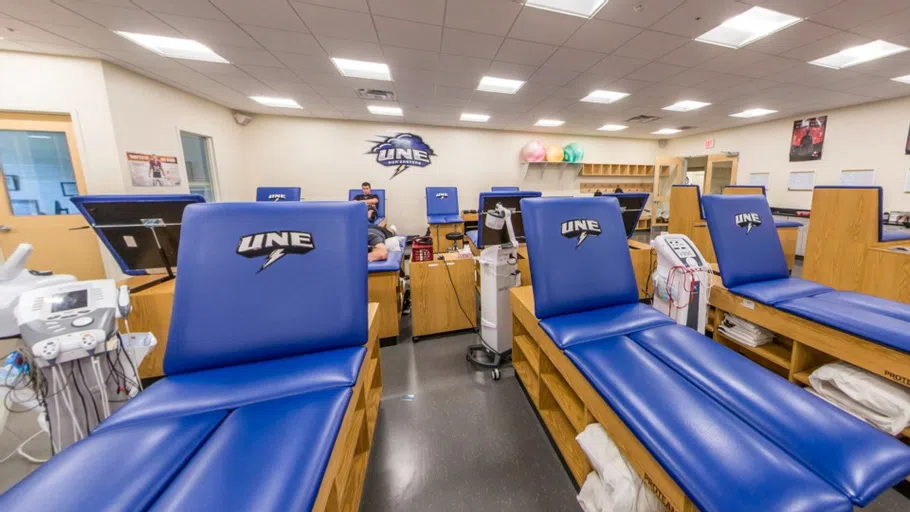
(38, 172)
(721, 174)
(198, 172)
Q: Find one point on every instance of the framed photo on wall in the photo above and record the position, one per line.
(807, 139)
(12, 183)
(69, 188)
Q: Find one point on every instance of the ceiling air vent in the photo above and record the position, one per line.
(376, 94)
(644, 118)
(687, 127)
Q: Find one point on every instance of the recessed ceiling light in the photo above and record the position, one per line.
(382, 110)
(753, 112)
(549, 123)
(904, 79)
(612, 127)
(686, 105)
(476, 118)
(599, 96)
(859, 54)
(583, 8)
(666, 131)
(174, 47)
(502, 85)
(362, 69)
(276, 102)
(748, 27)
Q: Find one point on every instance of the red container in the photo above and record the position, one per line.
(422, 249)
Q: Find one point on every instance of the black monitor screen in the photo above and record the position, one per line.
(71, 300)
(490, 236)
(632, 206)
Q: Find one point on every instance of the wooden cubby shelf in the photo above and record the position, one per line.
(636, 170)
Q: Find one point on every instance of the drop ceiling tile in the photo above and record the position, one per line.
(337, 22)
(650, 45)
(656, 72)
(44, 11)
(71, 50)
(853, 13)
(457, 63)
(601, 36)
(206, 68)
(573, 60)
(888, 67)
(694, 53)
(486, 16)
(348, 49)
(614, 66)
(192, 8)
(250, 56)
(885, 89)
(721, 81)
(511, 71)
(826, 46)
(421, 11)
(524, 52)
(246, 85)
(284, 40)
(471, 44)
(14, 47)
(408, 34)
(329, 91)
(262, 13)
(306, 64)
(691, 77)
(348, 5)
(695, 17)
(210, 32)
(807, 74)
(268, 74)
(623, 11)
(458, 93)
(412, 76)
(129, 19)
(549, 75)
(891, 25)
(733, 60)
(453, 78)
(97, 38)
(770, 67)
(415, 92)
(363, 83)
(792, 38)
(333, 79)
(627, 85)
(546, 27)
(347, 103)
(410, 58)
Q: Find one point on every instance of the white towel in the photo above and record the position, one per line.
(879, 401)
(625, 491)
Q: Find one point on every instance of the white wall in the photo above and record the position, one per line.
(148, 117)
(870, 136)
(326, 158)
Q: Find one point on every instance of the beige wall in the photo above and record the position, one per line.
(870, 136)
(326, 158)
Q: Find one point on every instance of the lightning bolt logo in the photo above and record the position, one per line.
(747, 221)
(273, 256)
(402, 151)
(581, 238)
(399, 170)
(580, 229)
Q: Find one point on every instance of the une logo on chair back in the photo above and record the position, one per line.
(580, 229)
(275, 244)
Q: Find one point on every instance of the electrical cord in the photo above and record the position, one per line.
(91, 395)
(19, 450)
(81, 398)
(126, 352)
(504, 357)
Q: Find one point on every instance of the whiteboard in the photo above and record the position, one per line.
(801, 180)
(759, 179)
(857, 178)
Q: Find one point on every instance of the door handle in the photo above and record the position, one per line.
(5, 229)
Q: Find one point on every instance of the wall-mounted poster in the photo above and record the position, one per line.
(151, 170)
(808, 139)
(401, 151)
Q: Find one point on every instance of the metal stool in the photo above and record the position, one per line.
(455, 236)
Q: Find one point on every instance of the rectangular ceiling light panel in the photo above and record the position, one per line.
(276, 102)
(859, 54)
(753, 112)
(500, 85)
(612, 127)
(382, 110)
(606, 97)
(174, 47)
(666, 131)
(363, 69)
(686, 106)
(549, 123)
(748, 27)
(582, 8)
(475, 118)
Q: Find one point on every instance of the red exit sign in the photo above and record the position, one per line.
(709, 143)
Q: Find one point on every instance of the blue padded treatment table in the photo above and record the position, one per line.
(235, 386)
(278, 194)
(859, 461)
(442, 205)
(380, 208)
(774, 291)
(267, 457)
(120, 469)
(473, 235)
(504, 189)
(721, 463)
(624, 319)
(390, 264)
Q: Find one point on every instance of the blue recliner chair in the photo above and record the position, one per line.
(442, 206)
(278, 194)
(690, 401)
(380, 208)
(266, 342)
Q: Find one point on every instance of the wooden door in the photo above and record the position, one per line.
(721, 172)
(41, 170)
(668, 171)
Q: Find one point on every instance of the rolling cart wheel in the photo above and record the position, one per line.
(496, 374)
(415, 339)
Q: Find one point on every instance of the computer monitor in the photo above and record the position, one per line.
(511, 200)
(142, 232)
(632, 205)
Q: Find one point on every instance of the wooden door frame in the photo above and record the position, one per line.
(720, 157)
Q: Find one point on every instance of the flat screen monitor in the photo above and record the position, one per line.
(632, 205)
(489, 236)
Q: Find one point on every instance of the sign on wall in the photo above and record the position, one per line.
(402, 151)
(807, 139)
(151, 170)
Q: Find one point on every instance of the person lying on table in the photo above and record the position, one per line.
(372, 200)
(376, 237)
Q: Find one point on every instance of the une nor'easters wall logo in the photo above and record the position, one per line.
(274, 245)
(403, 150)
(580, 229)
(747, 221)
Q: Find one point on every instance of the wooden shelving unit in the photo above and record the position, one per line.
(608, 186)
(618, 170)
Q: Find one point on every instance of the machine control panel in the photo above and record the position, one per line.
(684, 251)
(67, 317)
